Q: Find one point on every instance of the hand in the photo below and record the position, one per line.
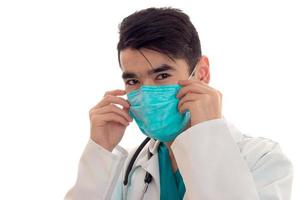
(203, 101)
(108, 121)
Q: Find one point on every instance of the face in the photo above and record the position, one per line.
(148, 67)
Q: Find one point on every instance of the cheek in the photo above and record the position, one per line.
(130, 88)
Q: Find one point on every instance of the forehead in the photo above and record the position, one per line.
(143, 59)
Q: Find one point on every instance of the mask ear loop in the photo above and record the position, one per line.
(193, 72)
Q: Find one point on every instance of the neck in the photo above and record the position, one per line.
(168, 144)
(172, 158)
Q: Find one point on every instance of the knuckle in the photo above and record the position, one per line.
(107, 97)
(122, 100)
(91, 111)
(93, 118)
(219, 94)
(111, 107)
(106, 93)
(215, 92)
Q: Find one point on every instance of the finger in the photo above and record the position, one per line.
(112, 117)
(126, 109)
(196, 88)
(184, 107)
(186, 82)
(112, 109)
(191, 81)
(208, 86)
(113, 99)
(188, 97)
(115, 92)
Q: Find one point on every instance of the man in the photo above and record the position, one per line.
(194, 152)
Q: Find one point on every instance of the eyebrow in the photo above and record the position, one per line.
(161, 68)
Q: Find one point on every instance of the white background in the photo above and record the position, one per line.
(57, 58)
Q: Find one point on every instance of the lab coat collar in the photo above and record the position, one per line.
(150, 165)
(234, 131)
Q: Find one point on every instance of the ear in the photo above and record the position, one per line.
(203, 71)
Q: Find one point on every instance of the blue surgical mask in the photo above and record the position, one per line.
(155, 110)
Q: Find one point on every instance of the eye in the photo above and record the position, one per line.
(162, 76)
(131, 82)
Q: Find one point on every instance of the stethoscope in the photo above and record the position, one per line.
(148, 177)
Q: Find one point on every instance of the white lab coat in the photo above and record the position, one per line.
(215, 160)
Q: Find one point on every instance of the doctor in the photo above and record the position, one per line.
(191, 150)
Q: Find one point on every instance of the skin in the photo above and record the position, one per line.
(139, 67)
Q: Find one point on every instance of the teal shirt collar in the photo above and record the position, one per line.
(171, 184)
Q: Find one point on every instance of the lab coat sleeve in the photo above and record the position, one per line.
(272, 171)
(98, 173)
(213, 167)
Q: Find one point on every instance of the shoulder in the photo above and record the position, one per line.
(260, 152)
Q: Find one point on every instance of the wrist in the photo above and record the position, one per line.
(103, 144)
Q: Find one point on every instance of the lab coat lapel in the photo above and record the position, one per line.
(151, 165)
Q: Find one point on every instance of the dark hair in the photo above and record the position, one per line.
(165, 30)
